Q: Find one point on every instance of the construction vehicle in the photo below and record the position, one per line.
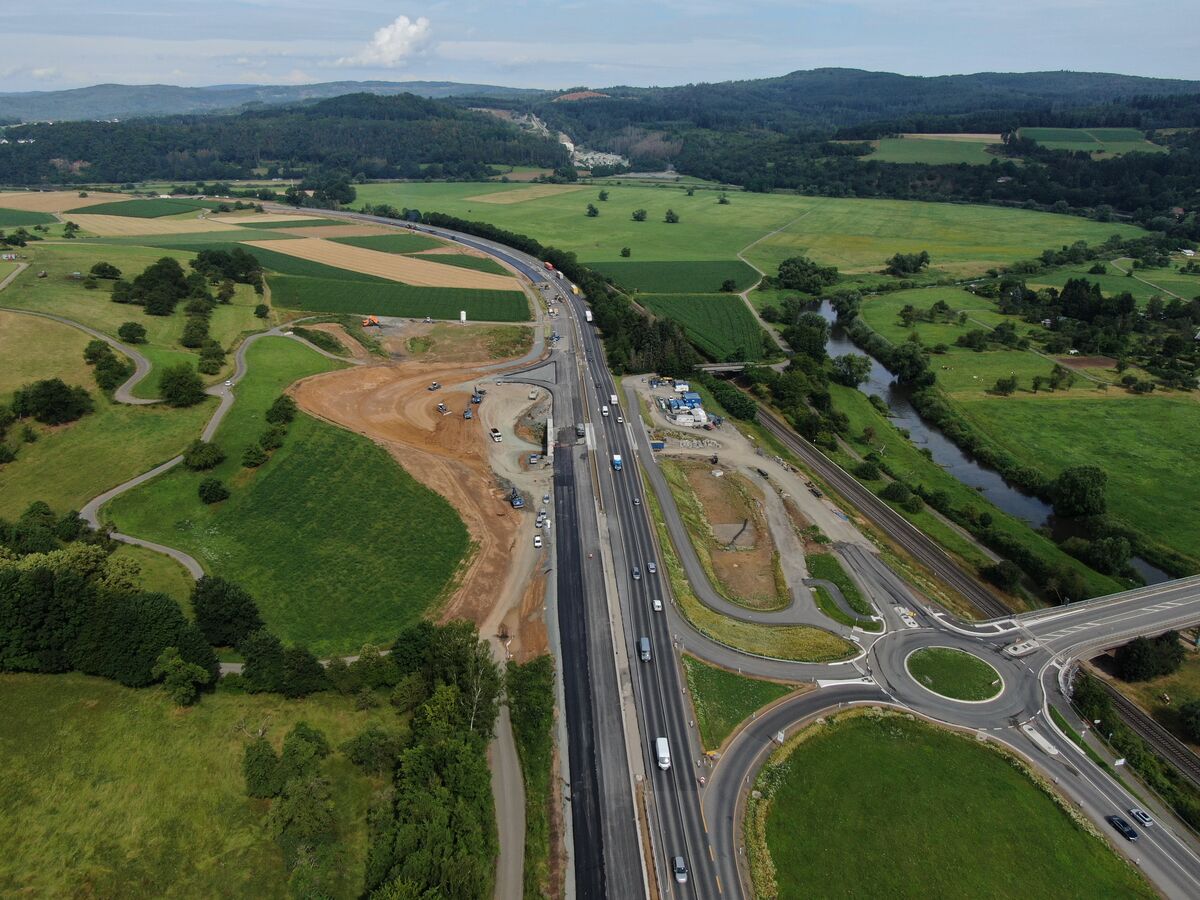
(575, 290)
(515, 498)
(441, 407)
(616, 462)
(435, 386)
(370, 321)
(476, 398)
(467, 414)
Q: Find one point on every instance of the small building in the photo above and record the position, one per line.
(1188, 252)
(691, 400)
(682, 387)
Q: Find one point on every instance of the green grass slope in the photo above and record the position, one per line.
(884, 807)
(339, 545)
(391, 298)
(113, 792)
(719, 324)
(12, 218)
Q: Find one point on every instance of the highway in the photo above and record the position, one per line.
(603, 760)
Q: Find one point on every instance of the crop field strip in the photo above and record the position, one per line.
(720, 324)
(394, 267)
(54, 201)
(679, 276)
(391, 298)
(130, 226)
(521, 195)
(12, 218)
(146, 209)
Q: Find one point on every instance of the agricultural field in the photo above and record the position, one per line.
(949, 149)
(1100, 142)
(69, 464)
(390, 298)
(398, 242)
(689, 277)
(145, 209)
(292, 532)
(933, 799)
(14, 218)
(719, 324)
(111, 791)
(54, 201)
(1142, 284)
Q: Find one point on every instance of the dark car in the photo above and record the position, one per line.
(1127, 831)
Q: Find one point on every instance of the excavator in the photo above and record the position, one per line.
(371, 320)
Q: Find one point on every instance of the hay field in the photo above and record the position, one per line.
(520, 195)
(406, 269)
(125, 226)
(54, 201)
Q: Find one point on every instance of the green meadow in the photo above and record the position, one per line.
(721, 325)
(933, 151)
(321, 534)
(1104, 142)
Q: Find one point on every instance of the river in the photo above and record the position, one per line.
(990, 483)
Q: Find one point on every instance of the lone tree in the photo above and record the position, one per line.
(52, 402)
(603, 195)
(639, 215)
(132, 332)
(592, 211)
(907, 263)
(671, 217)
(106, 270)
(626, 253)
(180, 385)
(728, 286)
(262, 310)
(1079, 491)
(723, 199)
(1005, 386)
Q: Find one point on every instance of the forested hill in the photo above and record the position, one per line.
(380, 137)
(826, 99)
(127, 101)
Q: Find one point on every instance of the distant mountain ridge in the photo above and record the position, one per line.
(127, 101)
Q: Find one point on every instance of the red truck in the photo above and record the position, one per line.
(549, 266)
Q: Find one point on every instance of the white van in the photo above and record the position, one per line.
(657, 604)
(644, 649)
(663, 751)
(604, 410)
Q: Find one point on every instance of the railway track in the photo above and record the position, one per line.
(899, 529)
(1165, 744)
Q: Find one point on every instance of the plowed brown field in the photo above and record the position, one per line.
(393, 266)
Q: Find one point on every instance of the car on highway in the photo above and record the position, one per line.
(657, 604)
(1126, 830)
(644, 649)
(1142, 817)
(620, 420)
(652, 567)
(637, 574)
(637, 501)
(679, 867)
(537, 542)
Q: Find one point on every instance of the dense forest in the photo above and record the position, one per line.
(362, 134)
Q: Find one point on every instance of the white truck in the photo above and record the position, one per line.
(616, 461)
(662, 750)
(612, 398)
(587, 315)
(495, 433)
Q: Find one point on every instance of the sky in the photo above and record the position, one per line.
(60, 44)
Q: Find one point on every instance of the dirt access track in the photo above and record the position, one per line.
(391, 403)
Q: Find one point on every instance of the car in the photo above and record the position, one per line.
(679, 867)
(537, 542)
(467, 414)
(637, 501)
(229, 382)
(637, 574)
(1142, 817)
(652, 568)
(620, 420)
(1127, 831)
(545, 498)
(435, 386)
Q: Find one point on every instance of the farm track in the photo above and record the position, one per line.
(899, 529)
(1165, 744)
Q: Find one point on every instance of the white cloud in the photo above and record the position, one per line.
(44, 72)
(392, 44)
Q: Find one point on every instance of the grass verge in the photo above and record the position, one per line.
(795, 642)
(530, 688)
(723, 700)
(391, 298)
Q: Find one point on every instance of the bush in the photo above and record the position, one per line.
(1145, 658)
(181, 386)
(52, 402)
(254, 456)
(201, 455)
(897, 492)
(262, 654)
(867, 471)
(1004, 574)
(260, 766)
(374, 750)
(282, 411)
(272, 438)
(195, 332)
(302, 673)
(224, 612)
(1189, 720)
(132, 332)
(105, 270)
(211, 490)
(262, 310)
(182, 679)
